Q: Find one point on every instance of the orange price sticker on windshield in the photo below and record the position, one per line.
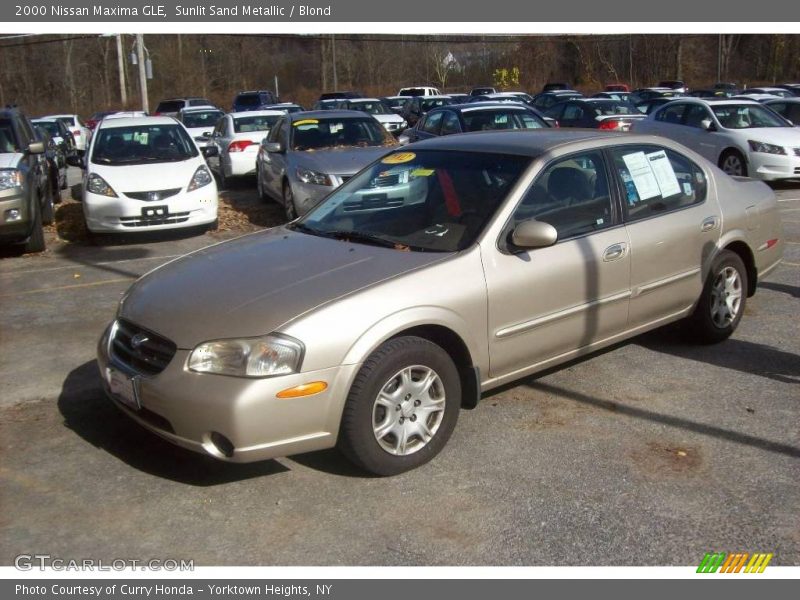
(399, 158)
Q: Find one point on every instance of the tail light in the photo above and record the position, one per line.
(156, 114)
(239, 145)
(556, 124)
(611, 124)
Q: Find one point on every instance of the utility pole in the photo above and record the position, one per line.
(142, 72)
(333, 59)
(123, 92)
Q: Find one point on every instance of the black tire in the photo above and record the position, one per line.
(729, 159)
(35, 242)
(703, 326)
(223, 181)
(289, 207)
(63, 184)
(262, 193)
(357, 438)
(48, 208)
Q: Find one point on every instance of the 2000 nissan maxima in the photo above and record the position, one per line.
(436, 273)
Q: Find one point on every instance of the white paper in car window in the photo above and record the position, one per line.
(642, 175)
(665, 174)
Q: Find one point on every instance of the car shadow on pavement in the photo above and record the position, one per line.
(792, 290)
(733, 353)
(665, 419)
(104, 259)
(88, 412)
(332, 462)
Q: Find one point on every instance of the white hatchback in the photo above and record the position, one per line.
(146, 174)
(742, 137)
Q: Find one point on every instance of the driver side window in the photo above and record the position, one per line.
(572, 195)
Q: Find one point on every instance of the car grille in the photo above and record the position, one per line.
(167, 219)
(143, 351)
(797, 151)
(153, 195)
(387, 180)
(797, 170)
(372, 203)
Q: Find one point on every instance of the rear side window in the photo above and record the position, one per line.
(672, 114)
(248, 100)
(656, 180)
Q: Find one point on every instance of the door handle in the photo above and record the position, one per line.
(615, 252)
(709, 223)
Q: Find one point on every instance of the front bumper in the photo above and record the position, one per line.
(769, 167)
(186, 408)
(125, 214)
(308, 195)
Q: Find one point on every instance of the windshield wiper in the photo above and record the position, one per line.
(360, 236)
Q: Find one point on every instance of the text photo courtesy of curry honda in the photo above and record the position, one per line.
(337, 195)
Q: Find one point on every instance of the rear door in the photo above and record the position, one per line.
(673, 222)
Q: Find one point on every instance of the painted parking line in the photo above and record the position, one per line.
(788, 199)
(67, 287)
(791, 264)
(89, 265)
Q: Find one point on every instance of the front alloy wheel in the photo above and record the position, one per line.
(408, 410)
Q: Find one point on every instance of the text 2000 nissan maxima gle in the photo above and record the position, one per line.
(438, 272)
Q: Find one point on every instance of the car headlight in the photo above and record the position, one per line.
(98, 185)
(309, 176)
(200, 178)
(765, 148)
(266, 356)
(403, 124)
(10, 178)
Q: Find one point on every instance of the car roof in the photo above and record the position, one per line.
(476, 106)
(362, 100)
(134, 121)
(203, 108)
(522, 142)
(256, 113)
(776, 99)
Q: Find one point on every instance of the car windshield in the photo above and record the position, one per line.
(372, 108)
(140, 144)
(313, 134)
(396, 101)
(434, 103)
(50, 127)
(68, 121)
(485, 120)
(206, 118)
(425, 201)
(248, 100)
(613, 107)
(746, 116)
(254, 123)
(170, 106)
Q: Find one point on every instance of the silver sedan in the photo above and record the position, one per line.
(438, 272)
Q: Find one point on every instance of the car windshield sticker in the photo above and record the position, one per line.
(642, 175)
(399, 158)
(665, 174)
(305, 122)
(422, 172)
(687, 188)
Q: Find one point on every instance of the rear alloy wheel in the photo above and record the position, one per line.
(723, 299)
(289, 208)
(733, 163)
(402, 407)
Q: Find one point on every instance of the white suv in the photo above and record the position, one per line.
(419, 91)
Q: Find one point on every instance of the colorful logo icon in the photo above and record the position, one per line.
(734, 562)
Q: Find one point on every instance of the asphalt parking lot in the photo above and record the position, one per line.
(651, 453)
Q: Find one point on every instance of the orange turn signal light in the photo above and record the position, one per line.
(306, 389)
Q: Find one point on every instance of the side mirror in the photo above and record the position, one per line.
(708, 125)
(73, 160)
(209, 151)
(36, 148)
(273, 147)
(534, 234)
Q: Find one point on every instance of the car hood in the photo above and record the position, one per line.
(10, 160)
(253, 285)
(783, 136)
(147, 177)
(338, 161)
